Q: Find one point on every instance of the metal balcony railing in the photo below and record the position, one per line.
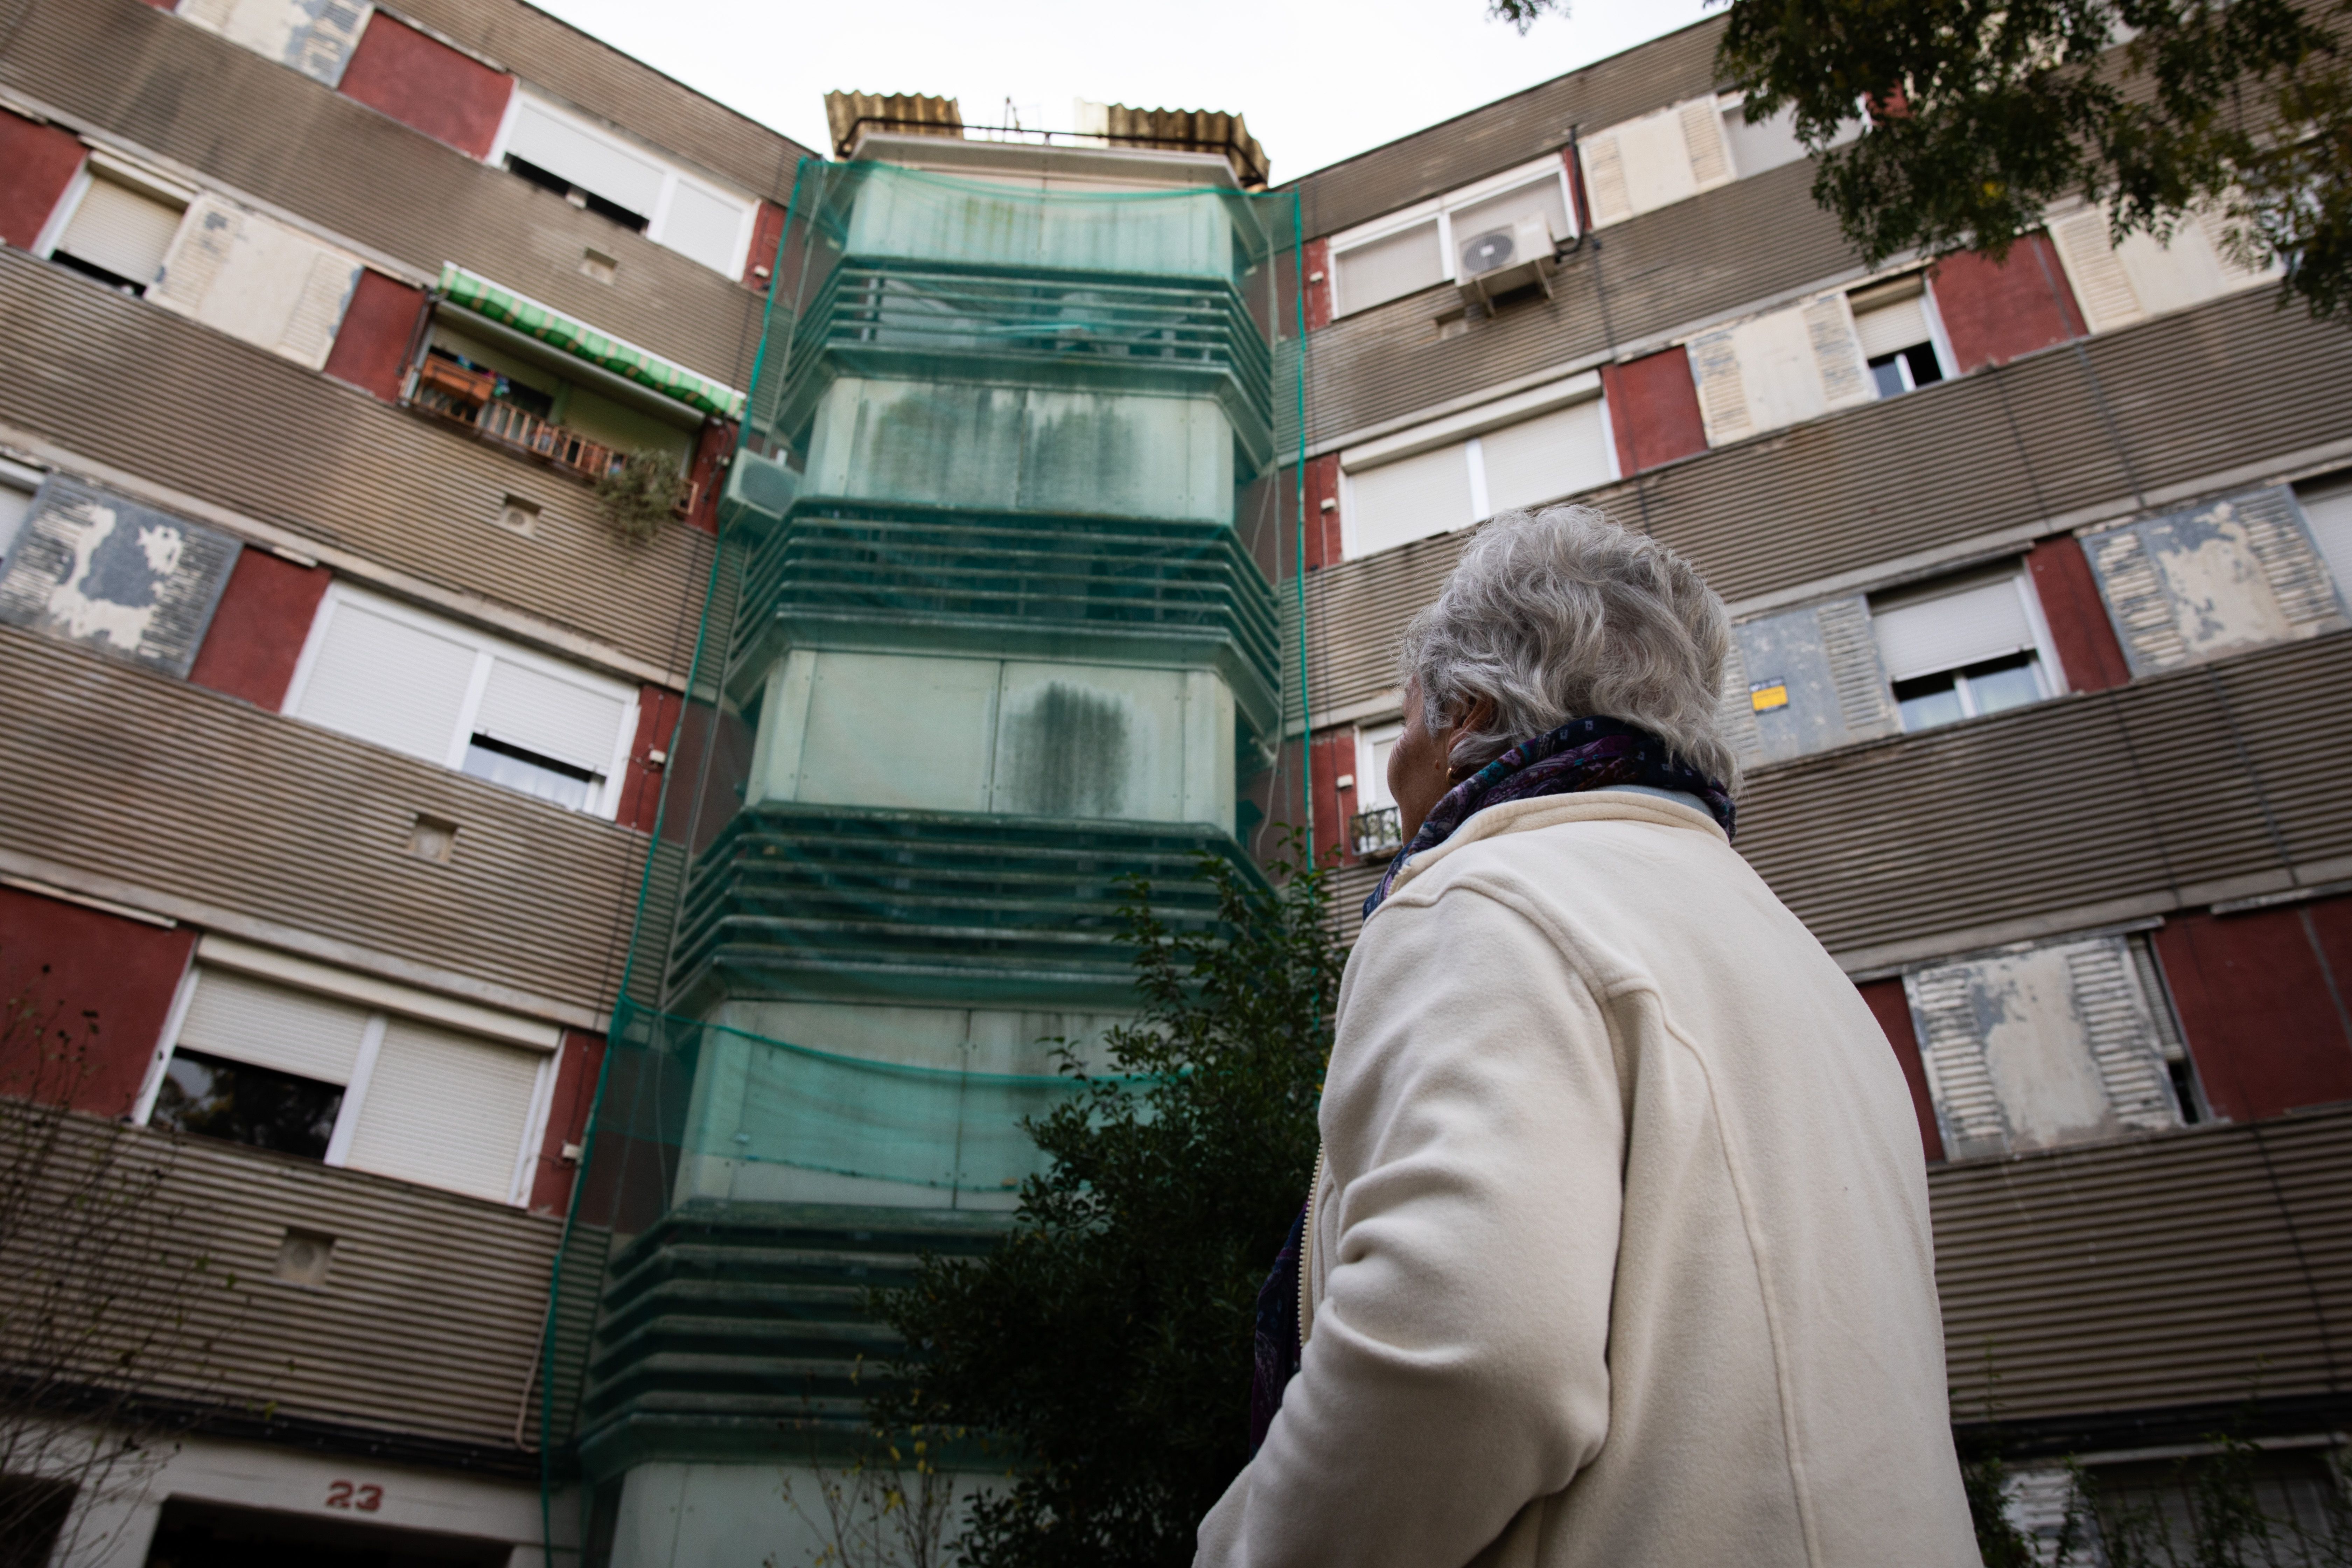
(1375, 835)
(507, 426)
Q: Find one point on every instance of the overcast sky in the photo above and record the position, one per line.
(1318, 82)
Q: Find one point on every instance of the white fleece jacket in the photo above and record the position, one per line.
(1621, 1258)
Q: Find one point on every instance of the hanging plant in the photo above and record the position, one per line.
(641, 493)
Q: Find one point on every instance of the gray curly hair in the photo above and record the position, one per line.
(1559, 614)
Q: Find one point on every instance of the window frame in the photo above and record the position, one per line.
(97, 163)
(603, 804)
(2050, 671)
(673, 175)
(1947, 361)
(1465, 430)
(1441, 209)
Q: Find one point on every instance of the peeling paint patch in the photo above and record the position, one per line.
(95, 568)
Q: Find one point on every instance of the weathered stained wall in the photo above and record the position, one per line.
(1652, 410)
(87, 994)
(370, 350)
(1997, 312)
(258, 628)
(423, 83)
(37, 163)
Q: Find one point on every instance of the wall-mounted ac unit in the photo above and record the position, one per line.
(1501, 259)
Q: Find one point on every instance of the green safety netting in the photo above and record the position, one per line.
(551, 326)
(989, 629)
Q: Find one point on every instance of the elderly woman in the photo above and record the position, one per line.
(1619, 1251)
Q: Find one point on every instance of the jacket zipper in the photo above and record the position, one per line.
(1306, 1251)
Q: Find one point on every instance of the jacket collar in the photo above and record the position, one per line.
(1551, 810)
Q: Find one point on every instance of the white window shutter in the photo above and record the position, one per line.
(2290, 562)
(703, 226)
(1410, 499)
(2119, 1028)
(382, 678)
(2328, 514)
(1813, 679)
(125, 231)
(1605, 178)
(589, 160)
(1865, 700)
(292, 1031)
(1899, 324)
(1722, 390)
(446, 1109)
(2138, 600)
(552, 716)
(258, 279)
(315, 36)
(1710, 164)
(1544, 458)
(1952, 631)
(1837, 355)
(2102, 287)
(1389, 268)
(2210, 579)
(1952, 1049)
(2214, 220)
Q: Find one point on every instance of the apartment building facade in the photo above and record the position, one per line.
(2040, 568)
(350, 682)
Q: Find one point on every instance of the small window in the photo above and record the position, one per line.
(118, 235)
(214, 1098)
(631, 185)
(1960, 649)
(1898, 342)
(1759, 143)
(1373, 830)
(512, 766)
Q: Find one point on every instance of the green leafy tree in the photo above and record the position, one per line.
(1108, 1343)
(1984, 112)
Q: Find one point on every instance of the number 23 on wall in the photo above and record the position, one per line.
(352, 1494)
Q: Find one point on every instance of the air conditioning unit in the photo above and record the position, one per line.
(1501, 259)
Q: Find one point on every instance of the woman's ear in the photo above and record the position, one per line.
(1477, 716)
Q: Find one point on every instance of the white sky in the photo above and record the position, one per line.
(1319, 83)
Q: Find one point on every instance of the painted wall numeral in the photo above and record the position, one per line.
(360, 1495)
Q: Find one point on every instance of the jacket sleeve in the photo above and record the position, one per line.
(1456, 1369)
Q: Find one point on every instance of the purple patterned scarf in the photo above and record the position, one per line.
(1581, 754)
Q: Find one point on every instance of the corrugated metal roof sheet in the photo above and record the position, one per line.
(123, 383)
(427, 1322)
(188, 94)
(164, 786)
(555, 57)
(848, 115)
(2189, 1269)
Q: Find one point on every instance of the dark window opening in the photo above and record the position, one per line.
(214, 1098)
(33, 1512)
(501, 764)
(549, 180)
(73, 263)
(1994, 686)
(192, 1534)
(2184, 1091)
(1906, 370)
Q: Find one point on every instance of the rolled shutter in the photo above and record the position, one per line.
(1410, 499)
(1389, 268)
(703, 226)
(1814, 680)
(2207, 580)
(1883, 329)
(1952, 631)
(386, 679)
(2328, 517)
(1702, 120)
(258, 279)
(277, 1026)
(127, 232)
(2041, 1046)
(591, 161)
(446, 1109)
(551, 716)
(1605, 178)
(1543, 458)
(2101, 285)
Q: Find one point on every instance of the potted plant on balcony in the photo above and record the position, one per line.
(641, 491)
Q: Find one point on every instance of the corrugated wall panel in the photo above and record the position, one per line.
(1991, 451)
(551, 55)
(2186, 1269)
(1515, 129)
(191, 95)
(123, 383)
(428, 1320)
(168, 787)
(2130, 792)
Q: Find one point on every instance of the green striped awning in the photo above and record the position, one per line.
(626, 360)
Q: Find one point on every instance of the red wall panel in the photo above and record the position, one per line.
(2077, 614)
(1323, 537)
(766, 234)
(99, 987)
(712, 448)
(370, 350)
(579, 1061)
(1652, 410)
(2261, 999)
(37, 163)
(1318, 284)
(425, 83)
(1995, 312)
(641, 787)
(257, 635)
(1892, 1008)
(1333, 755)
